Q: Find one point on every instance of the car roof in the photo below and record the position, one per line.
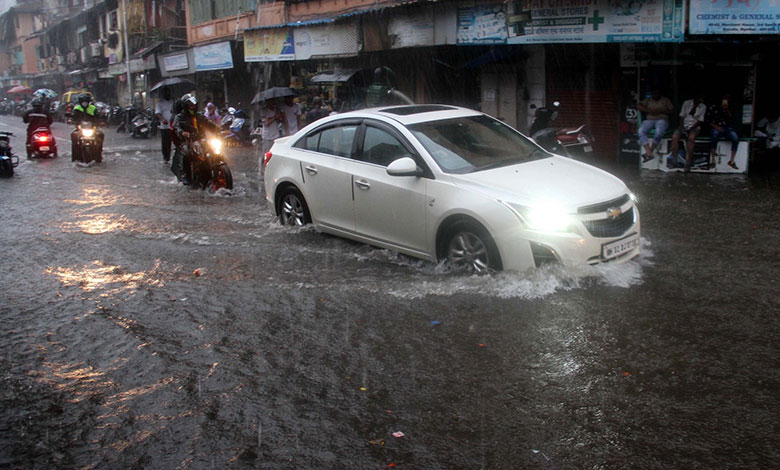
(412, 114)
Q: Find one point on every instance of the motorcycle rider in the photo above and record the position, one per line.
(189, 126)
(38, 116)
(85, 111)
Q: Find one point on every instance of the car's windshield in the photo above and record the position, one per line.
(475, 143)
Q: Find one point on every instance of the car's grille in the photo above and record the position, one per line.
(603, 206)
(606, 228)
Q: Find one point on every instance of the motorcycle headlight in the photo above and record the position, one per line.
(216, 145)
(544, 217)
(88, 132)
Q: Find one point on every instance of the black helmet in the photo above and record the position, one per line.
(37, 103)
(84, 97)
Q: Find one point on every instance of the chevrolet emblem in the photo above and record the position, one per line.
(614, 212)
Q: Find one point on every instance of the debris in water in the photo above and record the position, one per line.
(435, 322)
(626, 374)
(377, 442)
(199, 271)
(363, 389)
(481, 345)
(398, 434)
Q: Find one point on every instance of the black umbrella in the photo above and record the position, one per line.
(271, 93)
(177, 85)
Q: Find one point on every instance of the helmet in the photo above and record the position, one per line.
(85, 98)
(189, 100)
(231, 110)
(37, 103)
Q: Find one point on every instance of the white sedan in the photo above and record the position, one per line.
(446, 183)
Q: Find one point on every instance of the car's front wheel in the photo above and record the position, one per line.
(292, 208)
(470, 248)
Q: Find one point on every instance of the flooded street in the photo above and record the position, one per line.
(147, 325)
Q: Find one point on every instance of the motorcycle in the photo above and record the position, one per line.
(140, 127)
(8, 161)
(126, 116)
(205, 167)
(87, 147)
(42, 144)
(227, 119)
(572, 142)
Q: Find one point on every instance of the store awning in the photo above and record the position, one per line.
(334, 76)
(147, 50)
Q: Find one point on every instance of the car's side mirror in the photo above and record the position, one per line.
(405, 166)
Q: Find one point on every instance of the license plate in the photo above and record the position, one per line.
(44, 149)
(624, 245)
(588, 148)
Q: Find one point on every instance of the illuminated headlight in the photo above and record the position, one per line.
(216, 145)
(543, 217)
(88, 132)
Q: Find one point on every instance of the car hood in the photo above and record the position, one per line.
(556, 180)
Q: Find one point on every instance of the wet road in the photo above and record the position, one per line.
(146, 325)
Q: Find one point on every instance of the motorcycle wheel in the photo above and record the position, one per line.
(6, 168)
(194, 175)
(222, 178)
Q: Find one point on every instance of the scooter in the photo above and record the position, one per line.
(238, 133)
(140, 126)
(8, 161)
(42, 144)
(87, 148)
(572, 142)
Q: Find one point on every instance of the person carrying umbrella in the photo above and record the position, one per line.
(164, 115)
(271, 117)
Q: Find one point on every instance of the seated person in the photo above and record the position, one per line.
(691, 118)
(721, 120)
(658, 109)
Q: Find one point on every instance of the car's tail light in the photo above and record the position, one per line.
(266, 158)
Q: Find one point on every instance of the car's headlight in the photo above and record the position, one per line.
(544, 217)
(88, 132)
(216, 145)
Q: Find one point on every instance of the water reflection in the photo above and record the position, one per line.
(95, 224)
(99, 275)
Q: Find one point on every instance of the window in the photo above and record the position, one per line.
(338, 140)
(382, 148)
(113, 21)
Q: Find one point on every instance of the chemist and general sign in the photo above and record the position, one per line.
(735, 17)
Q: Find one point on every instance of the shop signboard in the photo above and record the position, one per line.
(326, 41)
(482, 24)
(213, 57)
(735, 17)
(269, 45)
(411, 30)
(594, 21)
(175, 62)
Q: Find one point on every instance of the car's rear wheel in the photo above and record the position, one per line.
(292, 208)
(470, 248)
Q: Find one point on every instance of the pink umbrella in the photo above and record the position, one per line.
(19, 89)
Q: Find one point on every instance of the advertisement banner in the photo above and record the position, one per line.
(594, 21)
(482, 24)
(326, 41)
(411, 30)
(735, 17)
(267, 45)
(213, 57)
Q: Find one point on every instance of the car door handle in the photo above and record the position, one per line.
(362, 184)
(311, 170)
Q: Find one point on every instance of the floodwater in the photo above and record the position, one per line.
(147, 325)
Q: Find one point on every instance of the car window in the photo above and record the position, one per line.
(475, 143)
(381, 148)
(338, 140)
(310, 142)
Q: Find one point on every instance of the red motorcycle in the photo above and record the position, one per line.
(574, 142)
(42, 144)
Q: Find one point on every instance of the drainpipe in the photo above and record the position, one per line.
(127, 53)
